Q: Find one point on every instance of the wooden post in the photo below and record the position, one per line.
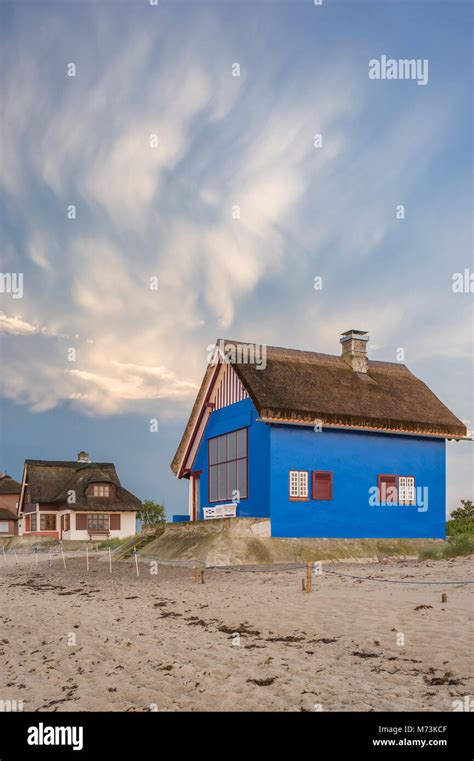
(309, 568)
(444, 597)
(87, 558)
(110, 560)
(16, 556)
(136, 561)
(50, 558)
(64, 559)
(303, 585)
(196, 570)
(4, 556)
(201, 576)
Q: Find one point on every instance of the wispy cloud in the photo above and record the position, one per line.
(16, 326)
(234, 211)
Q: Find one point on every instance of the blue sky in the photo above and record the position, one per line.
(169, 211)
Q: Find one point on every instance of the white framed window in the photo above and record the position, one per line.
(101, 490)
(406, 489)
(298, 484)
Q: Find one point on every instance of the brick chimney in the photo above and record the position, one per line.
(83, 457)
(354, 349)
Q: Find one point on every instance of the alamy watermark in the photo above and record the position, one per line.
(12, 282)
(390, 496)
(401, 68)
(237, 353)
(9, 706)
(463, 282)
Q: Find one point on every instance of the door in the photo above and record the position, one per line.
(63, 524)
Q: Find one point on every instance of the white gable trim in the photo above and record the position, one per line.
(183, 465)
(224, 388)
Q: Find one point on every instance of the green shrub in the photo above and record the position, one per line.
(462, 544)
(113, 543)
(430, 553)
(460, 527)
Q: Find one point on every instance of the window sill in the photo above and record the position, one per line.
(224, 501)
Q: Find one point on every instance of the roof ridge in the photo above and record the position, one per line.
(70, 463)
(288, 351)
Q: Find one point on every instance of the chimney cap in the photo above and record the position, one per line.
(357, 332)
(359, 335)
(83, 456)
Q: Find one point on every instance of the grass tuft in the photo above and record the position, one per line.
(459, 544)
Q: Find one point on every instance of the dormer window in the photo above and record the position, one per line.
(101, 490)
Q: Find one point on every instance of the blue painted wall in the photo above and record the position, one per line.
(240, 415)
(355, 458)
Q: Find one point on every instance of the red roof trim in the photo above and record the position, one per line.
(308, 423)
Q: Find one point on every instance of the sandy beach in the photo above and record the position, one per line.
(246, 640)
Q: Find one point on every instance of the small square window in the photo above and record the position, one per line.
(298, 484)
(101, 490)
(322, 484)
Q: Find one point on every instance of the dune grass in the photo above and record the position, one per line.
(457, 545)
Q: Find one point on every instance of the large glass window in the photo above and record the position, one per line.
(47, 522)
(228, 456)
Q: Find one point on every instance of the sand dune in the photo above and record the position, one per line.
(72, 640)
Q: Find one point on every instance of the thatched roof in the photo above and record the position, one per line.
(52, 481)
(303, 387)
(8, 485)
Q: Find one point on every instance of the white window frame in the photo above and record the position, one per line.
(298, 484)
(406, 490)
(101, 490)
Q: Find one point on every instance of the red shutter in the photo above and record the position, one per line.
(115, 521)
(322, 484)
(388, 491)
(81, 521)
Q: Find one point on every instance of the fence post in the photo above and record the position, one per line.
(309, 568)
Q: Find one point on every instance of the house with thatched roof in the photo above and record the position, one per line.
(9, 495)
(79, 500)
(325, 446)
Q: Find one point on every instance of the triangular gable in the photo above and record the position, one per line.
(229, 389)
(220, 388)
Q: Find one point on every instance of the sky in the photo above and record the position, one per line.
(169, 188)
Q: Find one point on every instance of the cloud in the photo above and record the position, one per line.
(16, 326)
(128, 383)
(235, 211)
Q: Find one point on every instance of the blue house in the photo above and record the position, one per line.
(322, 445)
